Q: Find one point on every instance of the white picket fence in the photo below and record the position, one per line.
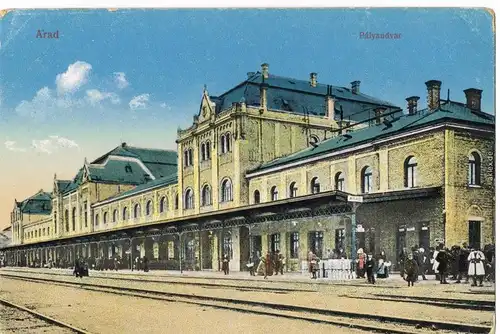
(337, 270)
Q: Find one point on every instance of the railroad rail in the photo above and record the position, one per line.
(366, 322)
(43, 317)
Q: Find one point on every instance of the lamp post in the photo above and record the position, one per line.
(355, 203)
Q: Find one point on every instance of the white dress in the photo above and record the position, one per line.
(435, 263)
(476, 263)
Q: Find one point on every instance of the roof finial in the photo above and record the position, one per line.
(85, 162)
(448, 99)
(55, 176)
(204, 88)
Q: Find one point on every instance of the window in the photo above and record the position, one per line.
(48, 230)
(176, 202)
(228, 244)
(256, 197)
(202, 152)
(294, 245)
(189, 199)
(340, 239)
(474, 169)
(274, 242)
(115, 215)
(149, 208)
(137, 211)
(315, 186)
(36, 233)
(96, 223)
(226, 191)
(188, 157)
(105, 218)
(163, 202)
(205, 151)
(293, 189)
(225, 143)
(316, 243)
(366, 180)
(125, 213)
(274, 193)
(410, 172)
(339, 181)
(73, 219)
(206, 196)
(85, 213)
(66, 220)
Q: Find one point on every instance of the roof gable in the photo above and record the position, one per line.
(40, 203)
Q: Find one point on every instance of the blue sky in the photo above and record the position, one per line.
(136, 75)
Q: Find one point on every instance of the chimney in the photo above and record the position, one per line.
(379, 111)
(473, 98)
(265, 70)
(433, 94)
(412, 104)
(250, 75)
(263, 97)
(355, 86)
(313, 79)
(330, 104)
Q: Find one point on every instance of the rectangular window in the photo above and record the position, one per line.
(294, 245)
(275, 242)
(85, 213)
(340, 239)
(48, 230)
(316, 243)
(475, 234)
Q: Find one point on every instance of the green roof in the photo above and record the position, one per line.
(448, 111)
(160, 182)
(118, 171)
(40, 203)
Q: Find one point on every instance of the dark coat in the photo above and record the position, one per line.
(463, 264)
(442, 258)
(411, 270)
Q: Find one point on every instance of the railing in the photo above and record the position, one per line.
(334, 269)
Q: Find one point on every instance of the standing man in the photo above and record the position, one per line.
(225, 264)
(421, 263)
(370, 268)
(411, 269)
(463, 263)
(402, 260)
(476, 266)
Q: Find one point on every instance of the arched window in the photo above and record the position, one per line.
(105, 218)
(208, 150)
(163, 204)
(115, 215)
(66, 220)
(293, 189)
(149, 208)
(125, 213)
(225, 143)
(137, 211)
(226, 191)
(189, 199)
(190, 156)
(474, 169)
(73, 218)
(206, 195)
(339, 181)
(176, 202)
(410, 172)
(96, 223)
(203, 152)
(315, 186)
(366, 179)
(274, 193)
(256, 197)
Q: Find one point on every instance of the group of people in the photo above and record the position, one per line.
(367, 265)
(81, 268)
(272, 263)
(458, 263)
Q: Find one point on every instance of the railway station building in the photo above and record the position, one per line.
(270, 165)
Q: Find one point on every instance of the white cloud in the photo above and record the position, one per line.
(11, 146)
(52, 144)
(120, 80)
(75, 76)
(94, 96)
(139, 102)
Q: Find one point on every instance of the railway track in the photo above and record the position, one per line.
(356, 320)
(16, 318)
(442, 302)
(174, 282)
